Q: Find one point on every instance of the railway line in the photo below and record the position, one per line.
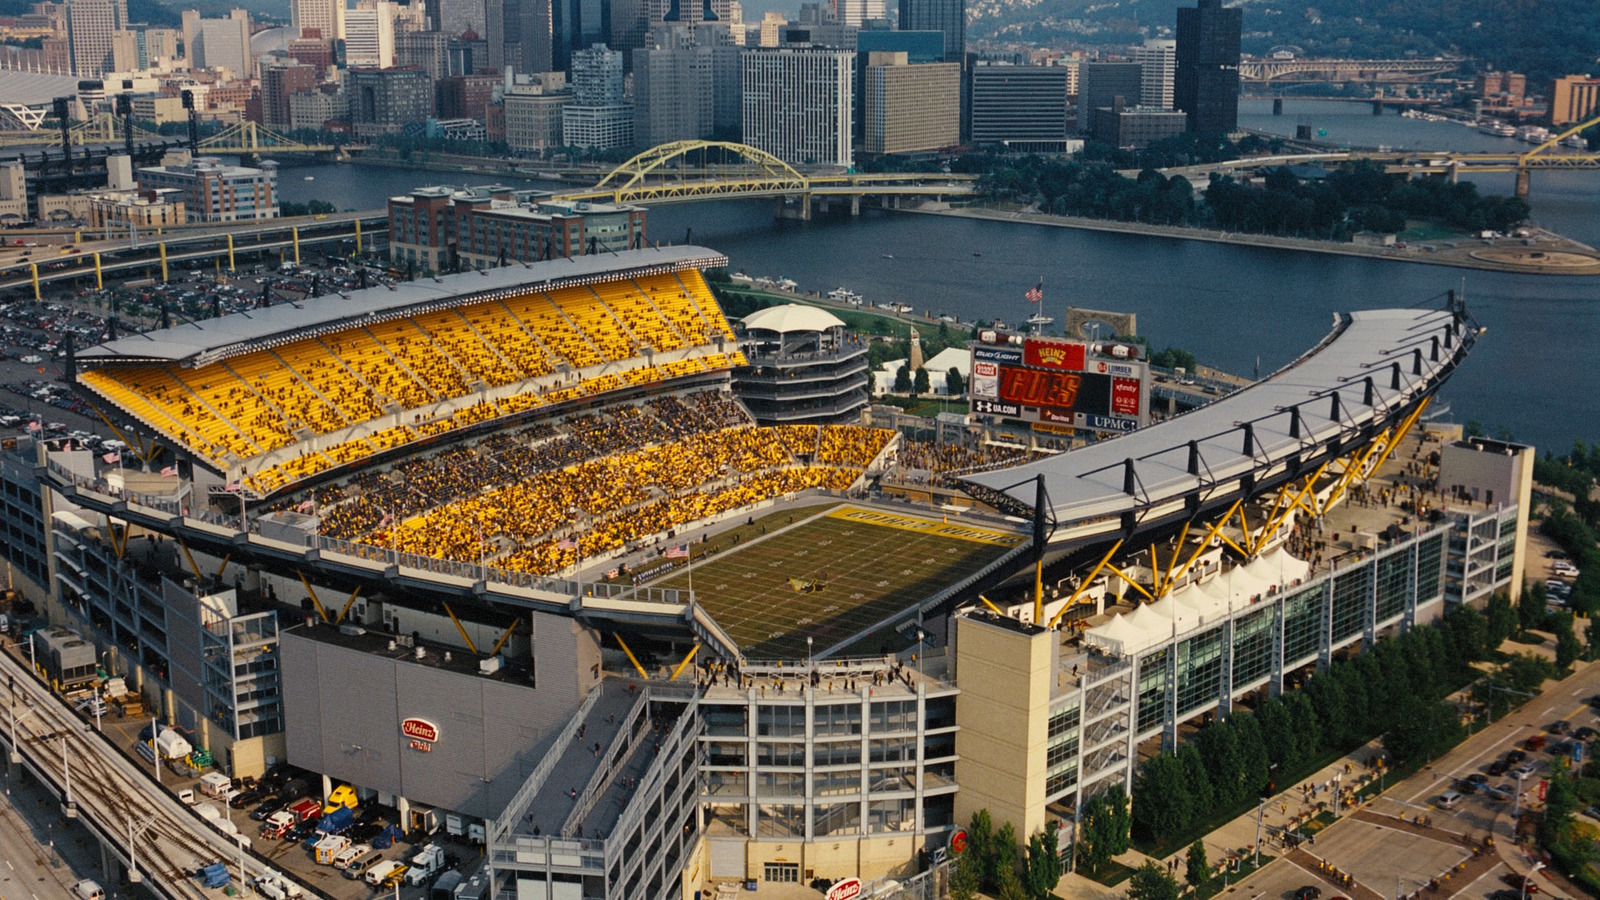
(139, 825)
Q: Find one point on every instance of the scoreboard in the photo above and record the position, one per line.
(1060, 383)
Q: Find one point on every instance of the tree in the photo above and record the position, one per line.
(954, 384)
(920, 383)
(1501, 617)
(1196, 870)
(1043, 868)
(964, 876)
(902, 379)
(1219, 746)
(1202, 797)
(1530, 609)
(1162, 804)
(1152, 882)
(1005, 853)
(980, 845)
(1568, 647)
(1422, 728)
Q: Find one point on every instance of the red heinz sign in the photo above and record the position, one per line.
(846, 889)
(420, 729)
(1053, 355)
(1125, 396)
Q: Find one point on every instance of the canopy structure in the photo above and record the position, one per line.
(1198, 606)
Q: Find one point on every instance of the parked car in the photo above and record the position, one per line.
(1535, 743)
(1478, 778)
(1526, 769)
(246, 797)
(1307, 892)
(1503, 792)
(1515, 756)
(1498, 767)
(268, 807)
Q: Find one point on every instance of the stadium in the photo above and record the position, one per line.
(657, 647)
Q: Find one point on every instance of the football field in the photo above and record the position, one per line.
(834, 575)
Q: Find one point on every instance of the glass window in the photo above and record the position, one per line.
(781, 820)
(1352, 591)
(839, 753)
(836, 783)
(781, 784)
(887, 816)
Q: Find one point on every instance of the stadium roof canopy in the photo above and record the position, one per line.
(26, 96)
(792, 317)
(199, 343)
(1375, 363)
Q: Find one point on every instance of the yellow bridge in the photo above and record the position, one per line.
(245, 138)
(683, 171)
(1548, 156)
(1317, 70)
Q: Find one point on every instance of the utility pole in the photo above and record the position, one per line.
(1260, 809)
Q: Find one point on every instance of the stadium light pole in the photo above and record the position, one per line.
(810, 659)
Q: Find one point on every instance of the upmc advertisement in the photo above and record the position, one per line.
(1061, 383)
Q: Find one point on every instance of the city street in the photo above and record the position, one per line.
(42, 854)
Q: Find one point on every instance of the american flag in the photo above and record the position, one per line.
(679, 552)
(567, 544)
(1035, 293)
(112, 458)
(172, 472)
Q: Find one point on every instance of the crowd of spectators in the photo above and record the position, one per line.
(541, 498)
(940, 464)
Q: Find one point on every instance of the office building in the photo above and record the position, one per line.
(918, 46)
(1502, 89)
(220, 44)
(440, 229)
(599, 116)
(313, 51)
(457, 16)
(215, 192)
(1574, 99)
(910, 108)
(1206, 80)
(317, 108)
(797, 104)
(818, 25)
(157, 48)
(1101, 83)
(673, 88)
(158, 109)
(91, 26)
(369, 34)
(426, 50)
(319, 18)
(1158, 60)
(857, 13)
(772, 23)
(532, 105)
(949, 17)
(1136, 127)
(466, 96)
(279, 80)
(1023, 107)
(384, 101)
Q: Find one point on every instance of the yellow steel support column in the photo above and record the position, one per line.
(224, 567)
(230, 254)
(986, 602)
(358, 237)
(1172, 567)
(1131, 583)
(193, 566)
(347, 604)
(77, 236)
(1083, 585)
(33, 269)
(686, 660)
(504, 637)
(1038, 591)
(313, 594)
(99, 282)
(631, 658)
(452, 613)
(119, 542)
(1400, 434)
(294, 233)
(163, 248)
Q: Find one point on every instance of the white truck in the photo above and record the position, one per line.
(428, 862)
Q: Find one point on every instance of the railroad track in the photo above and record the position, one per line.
(168, 843)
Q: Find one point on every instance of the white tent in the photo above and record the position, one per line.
(1197, 605)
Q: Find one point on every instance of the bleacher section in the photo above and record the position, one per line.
(233, 412)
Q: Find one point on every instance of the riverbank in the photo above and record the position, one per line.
(1543, 253)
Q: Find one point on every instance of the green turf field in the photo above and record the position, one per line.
(865, 564)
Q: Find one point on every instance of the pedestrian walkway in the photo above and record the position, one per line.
(1329, 875)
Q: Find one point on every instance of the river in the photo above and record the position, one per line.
(1533, 373)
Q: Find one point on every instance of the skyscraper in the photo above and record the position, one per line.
(326, 16)
(797, 104)
(599, 115)
(90, 26)
(673, 85)
(948, 16)
(1101, 83)
(1206, 81)
(1157, 60)
(369, 34)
